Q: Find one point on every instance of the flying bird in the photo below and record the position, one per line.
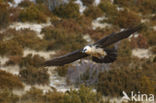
(99, 51)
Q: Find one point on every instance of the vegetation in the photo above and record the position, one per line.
(144, 6)
(70, 10)
(32, 14)
(150, 35)
(29, 39)
(87, 2)
(61, 39)
(34, 95)
(6, 96)
(32, 75)
(66, 34)
(130, 20)
(4, 15)
(10, 47)
(114, 81)
(9, 81)
(108, 8)
(25, 3)
(30, 60)
(93, 12)
(62, 71)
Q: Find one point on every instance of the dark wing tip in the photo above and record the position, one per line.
(139, 27)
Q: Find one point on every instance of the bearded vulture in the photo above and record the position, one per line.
(98, 51)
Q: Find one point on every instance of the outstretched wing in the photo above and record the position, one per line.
(68, 58)
(115, 37)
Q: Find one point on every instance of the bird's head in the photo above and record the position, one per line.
(87, 49)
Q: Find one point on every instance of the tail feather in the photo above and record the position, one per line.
(109, 58)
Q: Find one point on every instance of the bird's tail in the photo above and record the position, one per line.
(109, 58)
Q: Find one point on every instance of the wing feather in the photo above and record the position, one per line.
(68, 58)
(115, 37)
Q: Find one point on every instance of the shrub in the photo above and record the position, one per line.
(9, 81)
(98, 33)
(40, 1)
(70, 10)
(32, 75)
(29, 39)
(54, 97)
(126, 78)
(124, 49)
(35, 95)
(4, 15)
(25, 3)
(61, 39)
(125, 19)
(124, 3)
(153, 49)
(10, 47)
(150, 35)
(14, 14)
(13, 60)
(62, 71)
(30, 60)
(108, 8)
(139, 42)
(70, 25)
(87, 2)
(144, 6)
(32, 14)
(6, 96)
(84, 95)
(93, 12)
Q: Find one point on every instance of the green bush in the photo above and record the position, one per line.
(29, 39)
(61, 39)
(150, 35)
(4, 15)
(32, 14)
(125, 19)
(70, 25)
(10, 47)
(153, 49)
(35, 95)
(40, 1)
(32, 75)
(124, 49)
(30, 60)
(139, 42)
(126, 78)
(6, 96)
(70, 10)
(93, 12)
(25, 3)
(84, 95)
(144, 6)
(9, 81)
(62, 71)
(87, 2)
(124, 3)
(13, 60)
(108, 8)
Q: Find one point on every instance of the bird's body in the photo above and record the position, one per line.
(99, 51)
(95, 51)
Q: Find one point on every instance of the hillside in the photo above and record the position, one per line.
(33, 31)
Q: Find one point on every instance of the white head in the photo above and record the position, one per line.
(87, 49)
